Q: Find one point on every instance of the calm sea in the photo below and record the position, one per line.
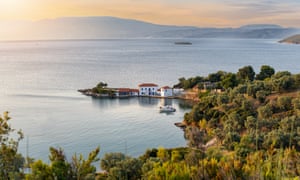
(39, 82)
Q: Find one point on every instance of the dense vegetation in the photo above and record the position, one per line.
(10, 160)
(249, 130)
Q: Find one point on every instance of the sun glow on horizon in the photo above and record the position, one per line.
(10, 8)
(206, 13)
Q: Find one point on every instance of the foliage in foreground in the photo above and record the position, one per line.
(12, 164)
(60, 168)
(10, 161)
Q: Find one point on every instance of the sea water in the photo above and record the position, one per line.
(39, 82)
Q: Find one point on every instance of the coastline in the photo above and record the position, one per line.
(89, 92)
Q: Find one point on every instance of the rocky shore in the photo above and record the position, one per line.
(89, 92)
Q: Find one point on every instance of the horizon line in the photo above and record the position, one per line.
(143, 21)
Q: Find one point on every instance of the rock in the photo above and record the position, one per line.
(180, 125)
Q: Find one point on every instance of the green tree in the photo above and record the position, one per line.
(265, 72)
(60, 169)
(265, 112)
(40, 170)
(83, 169)
(163, 154)
(180, 84)
(284, 103)
(261, 96)
(229, 80)
(195, 137)
(216, 77)
(246, 74)
(149, 165)
(282, 84)
(297, 81)
(176, 156)
(110, 160)
(10, 161)
(120, 166)
(101, 85)
(281, 74)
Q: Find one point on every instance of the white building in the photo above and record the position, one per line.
(148, 89)
(126, 92)
(177, 92)
(166, 91)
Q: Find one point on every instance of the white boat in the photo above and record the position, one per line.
(166, 109)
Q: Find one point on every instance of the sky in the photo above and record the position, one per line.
(201, 13)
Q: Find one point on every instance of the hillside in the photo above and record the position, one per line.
(295, 39)
(255, 31)
(112, 27)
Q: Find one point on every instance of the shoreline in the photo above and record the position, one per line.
(88, 92)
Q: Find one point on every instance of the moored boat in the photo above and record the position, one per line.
(166, 109)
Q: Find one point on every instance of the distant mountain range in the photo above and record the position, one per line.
(112, 27)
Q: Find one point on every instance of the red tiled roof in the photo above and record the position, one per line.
(166, 87)
(148, 85)
(134, 90)
(123, 89)
(127, 90)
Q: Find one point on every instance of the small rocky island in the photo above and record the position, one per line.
(295, 39)
(144, 89)
(183, 43)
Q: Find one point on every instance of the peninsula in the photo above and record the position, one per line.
(295, 39)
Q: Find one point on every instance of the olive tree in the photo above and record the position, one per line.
(120, 166)
(10, 161)
(246, 74)
(60, 168)
(265, 72)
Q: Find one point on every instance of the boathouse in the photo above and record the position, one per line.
(127, 92)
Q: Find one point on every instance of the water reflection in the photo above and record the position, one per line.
(148, 101)
(145, 102)
(104, 102)
(166, 102)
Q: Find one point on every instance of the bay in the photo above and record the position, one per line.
(39, 82)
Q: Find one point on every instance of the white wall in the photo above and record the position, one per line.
(166, 92)
(148, 90)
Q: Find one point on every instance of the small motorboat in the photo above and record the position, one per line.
(166, 109)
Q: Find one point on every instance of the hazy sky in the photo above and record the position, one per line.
(215, 13)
